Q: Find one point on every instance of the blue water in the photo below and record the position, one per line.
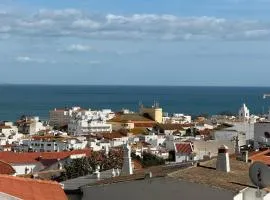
(16, 100)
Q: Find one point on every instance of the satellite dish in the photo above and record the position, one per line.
(259, 174)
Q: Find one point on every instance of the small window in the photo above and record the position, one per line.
(267, 135)
(49, 145)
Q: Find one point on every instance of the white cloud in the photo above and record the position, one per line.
(94, 62)
(85, 23)
(78, 24)
(26, 59)
(79, 48)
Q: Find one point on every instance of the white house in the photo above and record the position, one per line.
(184, 152)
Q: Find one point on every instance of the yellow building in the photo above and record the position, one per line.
(154, 112)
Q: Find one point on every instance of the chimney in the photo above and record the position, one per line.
(245, 156)
(97, 173)
(117, 172)
(39, 158)
(223, 160)
(127, 165)
(113, 173)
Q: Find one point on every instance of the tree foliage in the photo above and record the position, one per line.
(87, 165)
(149, 159)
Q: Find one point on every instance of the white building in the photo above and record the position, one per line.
(9, 133)
(51, 144)
(244, 113)
(230, 135)
(62, 117)
(153, 139)
(244, 127)
(31, 125)
(88, 121)
(177, 118)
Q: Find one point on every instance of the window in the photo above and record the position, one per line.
(49, 145)
(267, 135)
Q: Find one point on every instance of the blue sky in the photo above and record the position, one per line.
(135, 42)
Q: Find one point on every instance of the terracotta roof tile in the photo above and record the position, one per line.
(12, 157)
(113, 135)
(183, 148)
(145, 125)
(263, 156)
(171, 126)
(5, 127)
(6, 168)
(133, 118)
(30, 189)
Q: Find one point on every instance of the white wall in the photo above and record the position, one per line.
(20, 168)
(250, 194)
(181, 157)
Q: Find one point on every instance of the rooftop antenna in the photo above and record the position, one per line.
(259, 174)
(140, 103)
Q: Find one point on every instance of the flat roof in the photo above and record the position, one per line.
(236, 180)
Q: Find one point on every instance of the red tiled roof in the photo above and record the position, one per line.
(5, 127)
(262, 156)
(144, 125)
(6, 168)
(183, 148)
(112, 135)
(30, 189)
(132, 118)
(173, 126)
(12, 157)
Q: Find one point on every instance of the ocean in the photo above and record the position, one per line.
(37, 100)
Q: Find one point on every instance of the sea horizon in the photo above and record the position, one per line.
(37, 100)
(126, 85)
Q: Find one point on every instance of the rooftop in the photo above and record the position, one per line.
(170, 126)
(32, 157)
(157, 171)
(124, 118)
(207, 174)
(6, 168)
(113, 135)
(106, 176)
(30, 189)
(5, 127)
(263, 156)
(184, 148)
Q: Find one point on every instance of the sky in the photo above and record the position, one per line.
(135, 42)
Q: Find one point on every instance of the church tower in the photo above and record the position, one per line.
(244, 113)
